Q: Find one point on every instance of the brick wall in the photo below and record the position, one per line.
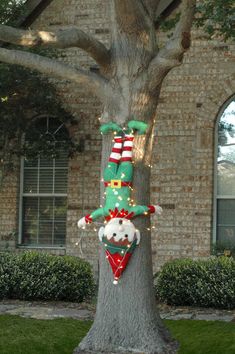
(183, 158)
(9, 188)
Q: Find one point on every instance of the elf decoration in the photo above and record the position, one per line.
(120, 237)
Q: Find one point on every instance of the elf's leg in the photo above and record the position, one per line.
(110, 171)
(125, 170)
(114, 159)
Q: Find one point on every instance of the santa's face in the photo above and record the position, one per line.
(120, 229)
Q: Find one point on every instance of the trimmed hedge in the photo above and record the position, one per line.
(205, 283)
(39, 276)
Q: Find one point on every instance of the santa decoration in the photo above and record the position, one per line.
(120, 237)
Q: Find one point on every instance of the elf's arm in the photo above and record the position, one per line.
(143, 209)
(90, 217)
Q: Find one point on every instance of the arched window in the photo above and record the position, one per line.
(224, 220)
(43, 192)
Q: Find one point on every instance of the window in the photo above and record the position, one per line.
(43, 197)
(224, 226)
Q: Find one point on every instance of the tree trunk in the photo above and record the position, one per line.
(127, 319)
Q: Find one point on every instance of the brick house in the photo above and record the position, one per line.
(193, 182)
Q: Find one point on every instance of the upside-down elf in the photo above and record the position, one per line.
(119, 236)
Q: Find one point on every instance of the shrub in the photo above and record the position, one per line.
(39, 276)
(7, 269)
(205, 283)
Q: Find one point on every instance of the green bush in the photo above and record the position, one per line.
(205, 283)
(7, 269)
(39, 276)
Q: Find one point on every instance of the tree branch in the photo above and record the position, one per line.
(50, 67)
(172, 54)
(62, 38)
(131, 16)
(151, 6)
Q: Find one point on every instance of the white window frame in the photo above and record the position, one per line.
(218, 196)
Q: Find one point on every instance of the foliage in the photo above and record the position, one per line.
(219, 248)
(60, 336)
(11, 10)
(215, 17)
(39, 276)
(206, 283)
(26, 96)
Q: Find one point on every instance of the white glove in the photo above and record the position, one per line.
(81, 223)
(158, 209)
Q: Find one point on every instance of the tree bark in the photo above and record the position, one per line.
(62, 38)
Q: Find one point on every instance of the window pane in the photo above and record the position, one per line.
(61, 180)
(46, 162)
(30, 220)
(60, 221)
(29, 234)
(45, 232)
(60, 209)
(62, 159)
(45, 209)
(30, 180)
(59, 233)
(44, 220)
(226, 152)
(226, 222)
(226, 178)
(31, 163)
(46, 181)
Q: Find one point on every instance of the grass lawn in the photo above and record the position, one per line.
(60, 336)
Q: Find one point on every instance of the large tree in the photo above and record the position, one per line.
(128, 84)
